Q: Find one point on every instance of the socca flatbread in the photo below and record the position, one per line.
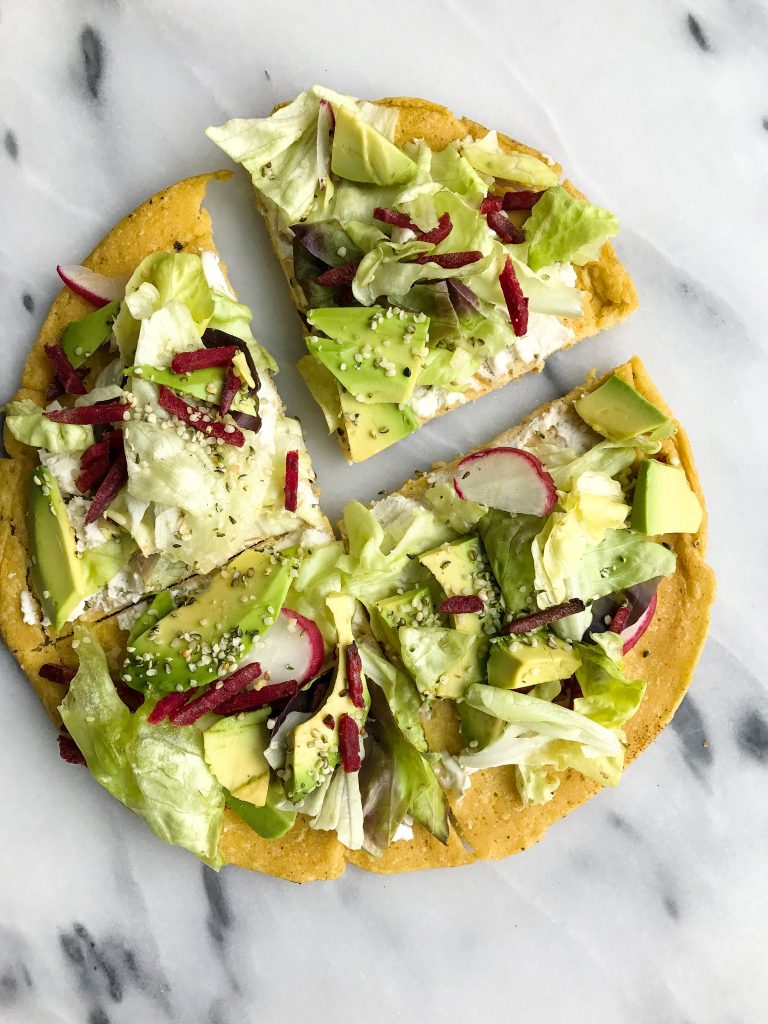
(490, 816)
(172, 219)
(609, 295)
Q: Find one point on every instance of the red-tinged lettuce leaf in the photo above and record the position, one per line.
(396, 780)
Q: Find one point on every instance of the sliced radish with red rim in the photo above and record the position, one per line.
(292, 648)
(509, 479)
(98, 289)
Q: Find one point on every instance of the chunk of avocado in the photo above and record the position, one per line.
(197, 642)
(268, 821)
(663, 501)
(617, 411)
(81, 338)
(415, 608)
(314, 745)
(461, 569)
(375, 354)
(361, 153)
(205, 384)
(160, 606)
(478, 728)
(515, 663)
(234, 751)
(372, 428)
(324, 389)
(56, 571)
(443, 662)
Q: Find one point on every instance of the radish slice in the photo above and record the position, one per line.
(632, 633)
(98, 289)
(509, 479)
(290, 649)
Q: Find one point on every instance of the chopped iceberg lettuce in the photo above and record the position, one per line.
(158, 771)
(563, 229)
(26, 422)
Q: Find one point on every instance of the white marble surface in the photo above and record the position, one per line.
(649, 905)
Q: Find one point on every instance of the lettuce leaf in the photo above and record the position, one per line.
(26, 422)
(608, 696)
(543, 738)
(562, 229)
(395, 780)
(402, 696)
(234, 318)
(588, 511)
(163, 277)
(507, 541)
(158, 771)
(342, 809)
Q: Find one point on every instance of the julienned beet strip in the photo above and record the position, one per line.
(395, 218)
(507, 232)
(203, 358)
(57, 673)
(106, 412)
(461, 605)
(229, 390)
(349, 744)
(250, 699)
(218, 693)
(450, 260)
(527, 623)
(199, 419)
(523, 200)
(69, 750)
(291, 489)
(111, 484)
(166, 706)
(65, 371)
(517, 304)
(439, 233)
(101, 449)
(620, 619)
(338, 275)
(355, 675)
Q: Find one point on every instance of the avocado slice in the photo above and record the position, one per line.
(376, 354)
(324, 389)
(371, 428)
(663, 501)
(56, 571)
(160, 606)
(81, 338)
(515, 663)
(416, 608)
(314, 749)
(361, 153)
(617, 411)
(461, 569)
(193, 644)
(234, 751)
(203, 384)
(443, 662)
(268, 821)
(478, 728)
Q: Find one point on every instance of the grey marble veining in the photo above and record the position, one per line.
(648, 906)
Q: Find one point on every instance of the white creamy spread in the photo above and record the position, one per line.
(64, 467)
(391, 507)
(127, 619)
(214, 274)
(86, 536)
(314, 538)
(126, 587)
(30, 609)
(404, 831)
